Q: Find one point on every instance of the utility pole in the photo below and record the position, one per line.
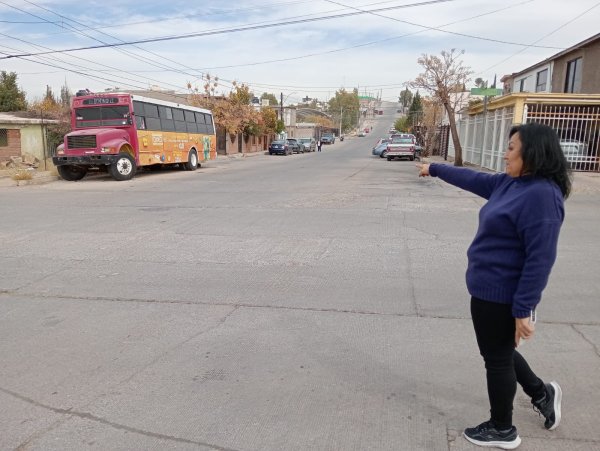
(281, 106)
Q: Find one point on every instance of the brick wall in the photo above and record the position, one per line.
(14, 145)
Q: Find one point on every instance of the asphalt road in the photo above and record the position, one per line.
(305, 302)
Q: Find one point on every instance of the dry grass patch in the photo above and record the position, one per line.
(20, 174)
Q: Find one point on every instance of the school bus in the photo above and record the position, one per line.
(121, 132)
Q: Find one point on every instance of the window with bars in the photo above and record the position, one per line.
(3, 137)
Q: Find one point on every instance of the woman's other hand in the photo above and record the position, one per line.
(524, 329)
(423, 169)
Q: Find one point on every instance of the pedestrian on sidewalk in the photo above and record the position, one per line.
(319, 144)
(509, 262)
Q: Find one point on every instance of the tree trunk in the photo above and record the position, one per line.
(458, 161)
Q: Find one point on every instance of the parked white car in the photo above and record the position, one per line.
(573, 149)
(577, 155)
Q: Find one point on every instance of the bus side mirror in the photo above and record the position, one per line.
(129, 119)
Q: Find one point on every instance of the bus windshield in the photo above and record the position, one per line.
(101, 116)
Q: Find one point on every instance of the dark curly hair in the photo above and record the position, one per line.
(542, 155)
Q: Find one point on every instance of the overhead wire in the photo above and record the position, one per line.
(366, 12)
(542, 38)
(203, 14)
(377, 42)
(231, 30)
(145, 60)
(113, 45)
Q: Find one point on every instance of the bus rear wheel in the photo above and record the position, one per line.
(123, 168)
(71, 173)
(192, 163)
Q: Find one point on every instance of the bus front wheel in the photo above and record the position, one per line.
(192, 163)
(71, 173)
(123, 168)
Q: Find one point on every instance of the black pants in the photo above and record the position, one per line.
(495, 330)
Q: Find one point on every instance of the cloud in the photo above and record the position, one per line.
(316, 57)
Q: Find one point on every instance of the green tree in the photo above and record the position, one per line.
(271, 97)
(11, 97)
(402, 125)
(405, 98)
(481, 83)
(344, 107)
(280, 126)
(415, 112)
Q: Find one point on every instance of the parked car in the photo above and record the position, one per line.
(401, 146)
(380, 150)
(295, 145)
(279, 146)
(328, 138)
(573, 148)
(381, 141)
(310, 145)
(576, 154)
(361, 134)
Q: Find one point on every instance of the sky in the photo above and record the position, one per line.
(298, 48)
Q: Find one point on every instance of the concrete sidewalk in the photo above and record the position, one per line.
(41, 177)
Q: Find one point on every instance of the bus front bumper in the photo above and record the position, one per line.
(85, 160)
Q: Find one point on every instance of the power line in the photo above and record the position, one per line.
(363, 44)
(542, 38)
(313, 88)
(133, 55)
(231, 30)
(93, 62)
(203, 14)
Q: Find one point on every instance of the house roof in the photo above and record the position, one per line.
(23, 118)
(578, 46)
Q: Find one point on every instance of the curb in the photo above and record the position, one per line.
(38, 179)
(241, 155)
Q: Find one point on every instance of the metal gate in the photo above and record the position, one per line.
(577, 126)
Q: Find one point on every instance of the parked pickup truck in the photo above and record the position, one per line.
(401, 146)
(328, 138)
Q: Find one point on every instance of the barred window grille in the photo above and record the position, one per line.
(3, 137)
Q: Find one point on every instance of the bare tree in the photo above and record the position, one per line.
(445, 79)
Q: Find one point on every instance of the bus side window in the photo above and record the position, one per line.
(153, 123)
(166, 119)
(209, 122)
(192, 127)
(150, 110)
(138, 108)
(140, 122)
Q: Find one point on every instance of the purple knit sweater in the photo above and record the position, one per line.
(512, 254)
